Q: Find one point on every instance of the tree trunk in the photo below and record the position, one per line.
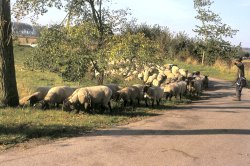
(203, 58)
(7, 66)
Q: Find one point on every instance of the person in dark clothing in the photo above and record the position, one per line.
(240, 73)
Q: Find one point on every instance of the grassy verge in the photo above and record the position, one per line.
(22, 125)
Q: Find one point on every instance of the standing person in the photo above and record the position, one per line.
(240, 73)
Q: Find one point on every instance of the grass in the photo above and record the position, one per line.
(22, 125)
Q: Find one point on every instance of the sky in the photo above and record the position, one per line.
(178, 15)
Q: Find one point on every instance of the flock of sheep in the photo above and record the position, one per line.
(158, 83)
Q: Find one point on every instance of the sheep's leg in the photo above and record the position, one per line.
(57, 105)
(125, 103)
(170, 97)
(158, 102)
(110, 108)
(153, 103)
(180, 96)
(146, 102)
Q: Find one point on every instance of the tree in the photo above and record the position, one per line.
(7, 67)
(22, 29)
(212, 28)
(104, 21)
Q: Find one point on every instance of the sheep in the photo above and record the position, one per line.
(194, 87)
(170, 75)
(161, 77)
(205, 81)
(175, 70)
(56, 96)
(154, 93)
(182, 88)
(183, 72)
(151, 78)
(171, 89)
(129, 94)
(36, 97)
(156, 82)
(145, 75)
(140, 76)
(140, 87)
(114, 88)
(85, 98)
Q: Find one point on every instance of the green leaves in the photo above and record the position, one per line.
(213, 33)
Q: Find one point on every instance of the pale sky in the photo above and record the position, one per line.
(178, 15)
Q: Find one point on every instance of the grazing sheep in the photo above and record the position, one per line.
(87, 97)
(34, 98)
(114, 88)
(154, 93)
(140, 87)
(129, 94)
(56, 96)
(171, 89)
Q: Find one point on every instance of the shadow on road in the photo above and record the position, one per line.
(172, 132)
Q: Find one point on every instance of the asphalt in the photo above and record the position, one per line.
(213, 131)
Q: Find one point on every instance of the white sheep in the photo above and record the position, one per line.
(171, 89)
(57, 95)
(129, 94)
(85, 98)
(175, 70)
(183, 72)
(151, 78)
(36, 97)
(154, 93)
(114, 88)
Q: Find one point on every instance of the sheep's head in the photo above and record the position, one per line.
(33, 100)
(67, 105)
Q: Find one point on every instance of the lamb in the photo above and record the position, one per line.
(87, 97)
(154, 93)
(129, 94)
(36, 97)
(56, 96)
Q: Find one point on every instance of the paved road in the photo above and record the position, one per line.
(214, 131)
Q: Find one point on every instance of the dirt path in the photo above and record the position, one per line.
(213, 131)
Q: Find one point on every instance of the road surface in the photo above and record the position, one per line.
(214, 131)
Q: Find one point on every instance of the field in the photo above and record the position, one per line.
(18, 126)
